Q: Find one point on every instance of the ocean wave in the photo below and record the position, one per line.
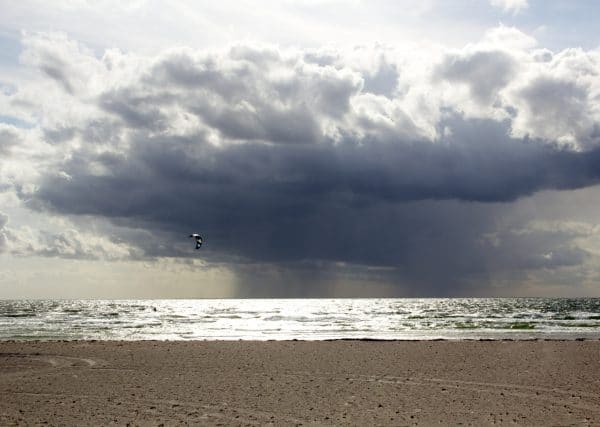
(469, 318)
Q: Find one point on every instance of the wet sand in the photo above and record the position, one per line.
(300, 383)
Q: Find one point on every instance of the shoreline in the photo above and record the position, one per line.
(296, 340)
(340, 382)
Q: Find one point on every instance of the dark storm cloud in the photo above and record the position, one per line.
(363, 204)
(292, 162)
(379, 171)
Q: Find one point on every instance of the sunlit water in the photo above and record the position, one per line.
(303, 319)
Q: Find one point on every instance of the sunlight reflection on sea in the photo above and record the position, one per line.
(303, 319)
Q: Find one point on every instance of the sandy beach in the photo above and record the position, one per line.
(300, 383)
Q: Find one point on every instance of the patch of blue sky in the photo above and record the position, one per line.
(7, 89)
(566, 23)
(10, 48)
(556, 25)
(16, 122)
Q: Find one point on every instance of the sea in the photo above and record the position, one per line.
(302, 319)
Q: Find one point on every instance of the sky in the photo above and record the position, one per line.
(322, 148)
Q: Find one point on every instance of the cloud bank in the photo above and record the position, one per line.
(398, 161)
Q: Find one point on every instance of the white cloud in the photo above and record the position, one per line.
(507, 38)
(62, 243)
(183, 89)
(557, 99)
(3, 222)
(510, 6)
(9, 137)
